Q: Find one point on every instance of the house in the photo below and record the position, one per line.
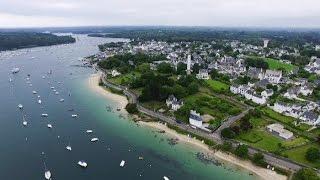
(174, 103)
(258, 99)
(306, 90)
(239, 89)
(267, 93)
(115, 73)
(310, 118)
(203, 74)
(195, 119)
(254, 73)
(273, 76)
(281, 107)
(278, 130)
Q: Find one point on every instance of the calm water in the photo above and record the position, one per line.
(119, 139)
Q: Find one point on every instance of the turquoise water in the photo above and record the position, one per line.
(119, 139)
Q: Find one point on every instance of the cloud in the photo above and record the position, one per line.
(271, 13)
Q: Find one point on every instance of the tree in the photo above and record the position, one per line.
(228, 133)
(258, 159)
(226, 146)
(305, 174)
(181, 68)
(245, 123)
(193, 88)
(132, 108)
(312, 154)
(242, 151)
(165, 68)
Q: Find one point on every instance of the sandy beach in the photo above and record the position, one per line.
(262, 173)
(93, 84)
(121, 101)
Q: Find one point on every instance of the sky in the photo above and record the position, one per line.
(219, 13)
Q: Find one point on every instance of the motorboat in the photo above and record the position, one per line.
(82, 164)
(24, 122)
(165, 178)
(89, 131)
(47, 175)
(61, 100)
(34, 92)
(69, 148)
(39, 101)
(15, 70)
(20, 106)
(74, 115)
(44, 115)
(122, 163)
(57, 93)
(51, 87)
(49, 126)
(94, 139)
(10, 80)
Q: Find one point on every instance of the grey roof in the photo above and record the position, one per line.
(310, 115)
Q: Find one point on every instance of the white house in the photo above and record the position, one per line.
(174, 103)
(195, 119)
(278, 129)
(310, 118)
(267, 93)
(115, 73)
(273, 76)
(258, 99)
(306, 90)
(281, 107)
(203, 74)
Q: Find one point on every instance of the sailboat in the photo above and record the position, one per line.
(69, 147)
(24, 122)
(47, 173)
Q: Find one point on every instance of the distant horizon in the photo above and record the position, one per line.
(166, 26)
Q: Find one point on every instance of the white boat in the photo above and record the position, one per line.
(94, 139)
(69, 148)
(10, 80)
(74, 115)
(57, 93)
(165, 178)
(39, 101)
(47, 175)
(52, 87)
(43, 77)
(20, 106)
(54, 90)
(49, 126)
(122, 163)
(24, 122)
(89, 131)
(38, 96)
(82, 164)
(15, 70)
(34, 92)
(44, 115)
(61, 100)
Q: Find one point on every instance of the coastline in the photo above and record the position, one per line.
(121, 101)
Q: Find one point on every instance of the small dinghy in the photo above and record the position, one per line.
(74, 115)
(49, 126)
(39, 101)
(61, 100)
(82, 164)
(69, 148)
(165, 178)
(34, 92)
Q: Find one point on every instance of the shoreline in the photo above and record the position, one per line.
(122, 101)
(260, 172)
(119, 100)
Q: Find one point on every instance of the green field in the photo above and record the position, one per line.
(125, 79)
(298, 155)
(217, 86)
(276, 64)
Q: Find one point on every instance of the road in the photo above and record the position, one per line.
(216, 137)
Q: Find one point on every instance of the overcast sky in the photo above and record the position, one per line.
(231, 13)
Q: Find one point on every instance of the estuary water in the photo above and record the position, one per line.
(26, 152)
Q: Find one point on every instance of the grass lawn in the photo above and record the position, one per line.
(279, 117)
(125, 79)
(275, 64)
(217, 86)
(295, 142)
(298, 154)
(263, 140)
(154, 105)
